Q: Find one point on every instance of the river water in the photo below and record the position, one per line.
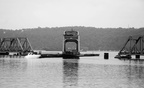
(87, 72)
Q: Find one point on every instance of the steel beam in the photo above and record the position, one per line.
(19, 44)
(133, 46)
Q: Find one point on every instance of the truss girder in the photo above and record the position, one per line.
(133, 46)
(20, 44)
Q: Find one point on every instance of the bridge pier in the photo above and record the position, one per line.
(137, 56)
(71, 36)
(106, 55)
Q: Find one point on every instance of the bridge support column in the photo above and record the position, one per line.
(137, 56)
(71, 36)
(106, 55)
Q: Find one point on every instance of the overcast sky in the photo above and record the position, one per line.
(17, 14)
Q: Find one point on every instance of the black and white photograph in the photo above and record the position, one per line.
(71, 43)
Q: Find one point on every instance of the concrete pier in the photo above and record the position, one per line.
(106, 55)
(137, 56)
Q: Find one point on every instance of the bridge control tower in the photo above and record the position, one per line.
(71, 36)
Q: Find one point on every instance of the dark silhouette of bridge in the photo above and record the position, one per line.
(71, 36)
(20, 45)
(133, 46)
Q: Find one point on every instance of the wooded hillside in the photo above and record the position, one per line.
(91, 38)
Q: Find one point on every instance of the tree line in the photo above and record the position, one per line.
(91, 38)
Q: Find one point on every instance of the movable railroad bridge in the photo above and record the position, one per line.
(20, 46)
(71, 36)
(70, 52)
(133, 46)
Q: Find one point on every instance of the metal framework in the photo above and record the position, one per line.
(19, 44)
(71, 36)
(133, 46)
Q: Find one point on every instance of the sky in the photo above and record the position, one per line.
(18, 14)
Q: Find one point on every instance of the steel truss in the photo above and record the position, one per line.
(133, 46)
(19, 44)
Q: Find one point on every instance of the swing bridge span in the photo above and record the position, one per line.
(19, 45)
(22, 46)
(133, 46)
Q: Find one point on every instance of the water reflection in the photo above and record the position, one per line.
(13, 64)
(70, 73)
(135, 74)
(136, 69)
(82, 73)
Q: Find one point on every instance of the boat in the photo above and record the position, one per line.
(31, 55)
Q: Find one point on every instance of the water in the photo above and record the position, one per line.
(88, 72)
